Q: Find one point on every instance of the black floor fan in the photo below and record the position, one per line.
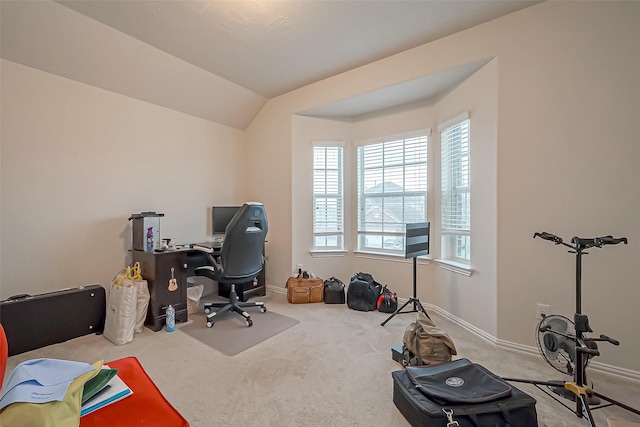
(560, 336)
(416, 244)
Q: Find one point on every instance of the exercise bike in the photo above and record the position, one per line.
(557, 336)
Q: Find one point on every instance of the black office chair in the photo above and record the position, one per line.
(241, 260)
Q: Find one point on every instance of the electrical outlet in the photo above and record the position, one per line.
(543, 310)
(299, 267)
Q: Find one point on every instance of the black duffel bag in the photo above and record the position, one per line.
(363, 292)
(333, 291)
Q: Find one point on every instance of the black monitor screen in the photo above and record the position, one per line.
(221, 217)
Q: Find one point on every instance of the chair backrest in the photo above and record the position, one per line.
(242, 252)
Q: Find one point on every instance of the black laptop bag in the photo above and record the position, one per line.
(461, 392)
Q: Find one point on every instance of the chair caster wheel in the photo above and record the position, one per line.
(209, 324)
(207, 310)
(263, 309)
(249, 323)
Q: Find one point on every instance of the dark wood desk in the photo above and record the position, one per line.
(159, 269)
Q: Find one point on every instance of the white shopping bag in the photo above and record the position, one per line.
(120, 321)
(142, 297)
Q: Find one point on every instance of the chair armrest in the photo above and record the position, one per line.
(214, 269)
(200, 248)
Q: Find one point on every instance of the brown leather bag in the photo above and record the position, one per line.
(303, 291)
(429, 344)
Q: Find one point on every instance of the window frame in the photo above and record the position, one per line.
(451, 188)
(338, 232)
(395, 237)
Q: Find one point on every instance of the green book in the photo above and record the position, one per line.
(97, 383)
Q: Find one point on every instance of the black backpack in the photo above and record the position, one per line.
(363, 292)
(333, 291)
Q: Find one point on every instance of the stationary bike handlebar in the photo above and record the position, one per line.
(548, 236)
(598, 241)
(582, 242)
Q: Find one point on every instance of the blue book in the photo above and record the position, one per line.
(113, 391)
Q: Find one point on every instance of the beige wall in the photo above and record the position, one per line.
(568, 159)
(559, 157)
(267, 166)
(78, 160)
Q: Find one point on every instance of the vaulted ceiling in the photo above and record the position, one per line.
(222, 60)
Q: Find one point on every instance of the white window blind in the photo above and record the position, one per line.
(392, 191)
(456, 192)
(328, 229)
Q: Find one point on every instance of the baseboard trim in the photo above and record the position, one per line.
(276, 289)
(464, 324)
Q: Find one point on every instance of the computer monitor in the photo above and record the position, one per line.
(221, 216)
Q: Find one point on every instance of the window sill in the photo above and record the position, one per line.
(390, 257)
(327, 253)
(455, 267)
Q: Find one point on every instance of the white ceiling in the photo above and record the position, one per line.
(253, 50)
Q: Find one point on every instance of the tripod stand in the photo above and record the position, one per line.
(412, 299)
(416, 244)
(578, 389)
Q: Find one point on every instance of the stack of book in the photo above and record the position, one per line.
(102, 390)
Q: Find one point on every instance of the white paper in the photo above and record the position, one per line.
(41, 380)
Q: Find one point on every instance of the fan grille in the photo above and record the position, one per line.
(555, 337)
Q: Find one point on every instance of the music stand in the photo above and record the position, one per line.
(416, 243)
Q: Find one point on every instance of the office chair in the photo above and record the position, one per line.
(241, 260)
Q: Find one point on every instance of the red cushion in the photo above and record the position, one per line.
(4, 354)
(146, 406)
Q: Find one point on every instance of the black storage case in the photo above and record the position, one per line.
(333, 291)
(397, 354)
(32, 322)
(331, 296)
(517, 410)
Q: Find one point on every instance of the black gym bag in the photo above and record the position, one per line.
(482, 398)
(363, 292)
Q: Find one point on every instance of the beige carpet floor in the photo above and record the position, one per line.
(331, 369)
